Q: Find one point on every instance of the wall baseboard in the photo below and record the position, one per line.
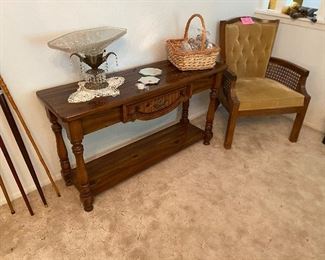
(57, 176)
(314, 127)
(29, 189)
(306, 123)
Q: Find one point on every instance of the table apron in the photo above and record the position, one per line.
(115, 115)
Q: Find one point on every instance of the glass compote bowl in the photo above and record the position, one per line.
(89, 46)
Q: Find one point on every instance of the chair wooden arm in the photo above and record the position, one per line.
(228, 87)
(288, 74)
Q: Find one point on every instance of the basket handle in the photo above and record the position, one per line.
(204, 33)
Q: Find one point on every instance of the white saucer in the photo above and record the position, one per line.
(149, 80)
(150, 72)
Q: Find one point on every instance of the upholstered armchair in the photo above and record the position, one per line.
(256, 83)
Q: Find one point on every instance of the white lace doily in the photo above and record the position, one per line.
(83, 94)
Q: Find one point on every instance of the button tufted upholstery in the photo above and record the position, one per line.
(248, 48)
(256, 83)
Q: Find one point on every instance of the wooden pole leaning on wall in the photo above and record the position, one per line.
(15, 175)
(4, 190)
(7, 93)
(21, 145)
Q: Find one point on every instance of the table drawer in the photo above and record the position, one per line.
(156, 106)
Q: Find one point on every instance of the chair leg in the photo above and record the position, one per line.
(297, 125)
(217, 104)
(230, 129)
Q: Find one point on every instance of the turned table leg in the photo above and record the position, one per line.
(185, 106)
(212, 108)
(76, 137)
(61, 150)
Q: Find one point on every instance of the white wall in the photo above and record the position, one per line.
(306, 47)
(303, 43)
(27, 64)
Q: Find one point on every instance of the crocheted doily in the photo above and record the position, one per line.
(83, 94)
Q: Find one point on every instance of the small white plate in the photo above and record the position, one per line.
(149, 80)
(150, 72)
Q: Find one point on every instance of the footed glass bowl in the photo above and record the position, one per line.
(90, 42)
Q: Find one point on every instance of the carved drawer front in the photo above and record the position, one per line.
(156, 106)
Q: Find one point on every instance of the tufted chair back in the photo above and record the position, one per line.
(246, 49)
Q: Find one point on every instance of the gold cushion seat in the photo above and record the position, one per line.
(264, 93)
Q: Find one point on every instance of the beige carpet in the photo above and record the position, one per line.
(264, 199)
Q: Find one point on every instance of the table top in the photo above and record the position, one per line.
(56, 98)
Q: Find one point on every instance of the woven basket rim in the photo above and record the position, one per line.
(178, 51)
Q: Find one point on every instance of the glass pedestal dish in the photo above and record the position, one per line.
(89, 46)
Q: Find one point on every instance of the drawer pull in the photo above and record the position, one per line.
(156, 106)
(160, 104)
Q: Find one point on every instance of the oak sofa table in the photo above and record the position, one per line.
(175, 88)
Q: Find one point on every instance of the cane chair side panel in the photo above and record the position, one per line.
(283, 75)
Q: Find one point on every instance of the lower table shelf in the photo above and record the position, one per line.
(110, 169)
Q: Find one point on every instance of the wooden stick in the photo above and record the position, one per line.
(4, 190)
(21, 145)
(6, 91)
(15, 175)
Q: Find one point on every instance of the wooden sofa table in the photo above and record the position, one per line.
(174, 88)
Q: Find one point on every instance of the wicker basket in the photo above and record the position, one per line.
(192, 60)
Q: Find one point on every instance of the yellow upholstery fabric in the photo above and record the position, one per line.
(263, 93)
(248, 48)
